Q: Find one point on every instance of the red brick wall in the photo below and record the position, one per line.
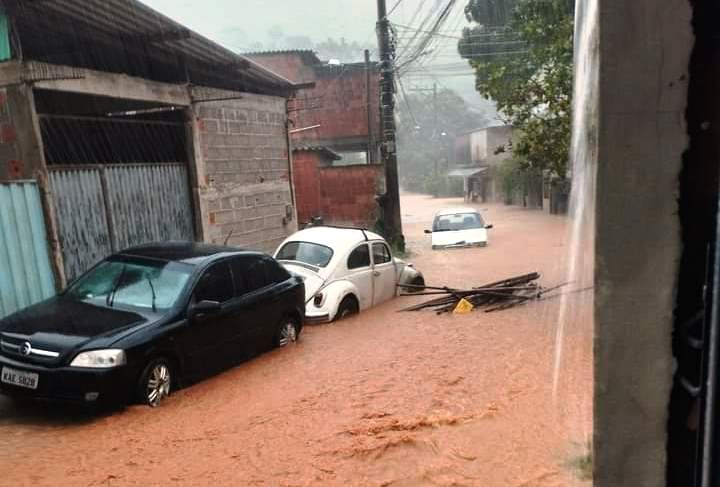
(338, 103)
(290, 66)
(343, 195)
(306, 176)
(340, 99)
(347, 194)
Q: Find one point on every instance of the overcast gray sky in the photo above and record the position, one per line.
(241, 24)
(254, 19)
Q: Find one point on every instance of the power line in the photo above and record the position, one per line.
(436, 12)
(397, 4)
(405, 100)
(425, 41)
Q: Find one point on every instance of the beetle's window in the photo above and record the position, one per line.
(216, 284)
(359, 258)
(309, 253)
(381, 254)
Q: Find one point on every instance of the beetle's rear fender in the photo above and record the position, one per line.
(333, 294)
(409, 275)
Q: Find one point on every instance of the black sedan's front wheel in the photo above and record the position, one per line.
(155, 382)
(288, 332)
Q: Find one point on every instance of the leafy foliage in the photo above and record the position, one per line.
(524, 61)
(490, 13)
(511, 175)
(426, 139)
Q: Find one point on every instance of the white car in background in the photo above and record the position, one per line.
(345, 270)
(459, 227)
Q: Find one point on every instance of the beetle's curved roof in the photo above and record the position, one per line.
(338, 239)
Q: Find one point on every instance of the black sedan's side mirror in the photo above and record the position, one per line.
(488, 227)
(428, 231)
(205, 308)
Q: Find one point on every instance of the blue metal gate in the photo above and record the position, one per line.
(25, 273)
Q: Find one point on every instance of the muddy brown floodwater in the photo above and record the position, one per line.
(383, 399)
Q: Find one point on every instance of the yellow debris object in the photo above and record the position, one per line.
(463, 307)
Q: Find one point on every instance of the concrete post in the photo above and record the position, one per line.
(643, 53)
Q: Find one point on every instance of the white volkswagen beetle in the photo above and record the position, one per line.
(345, 270)
(459, 227)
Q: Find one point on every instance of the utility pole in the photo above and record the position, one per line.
(435, 121)
(390, 201)
(368, 78)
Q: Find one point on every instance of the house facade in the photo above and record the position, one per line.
(120, 127)
(478, 154)
(338, 109)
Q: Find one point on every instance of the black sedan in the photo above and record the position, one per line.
(144, 321)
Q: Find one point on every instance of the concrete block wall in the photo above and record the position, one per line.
(243, 171)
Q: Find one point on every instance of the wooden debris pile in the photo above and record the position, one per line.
(491, 297)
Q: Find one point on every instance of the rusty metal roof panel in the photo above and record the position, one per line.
(130, 18)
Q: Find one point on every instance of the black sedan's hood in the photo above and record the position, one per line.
(61, 325)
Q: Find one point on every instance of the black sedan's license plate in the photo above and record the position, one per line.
(28, 380)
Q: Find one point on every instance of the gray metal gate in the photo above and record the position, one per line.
(103, 209)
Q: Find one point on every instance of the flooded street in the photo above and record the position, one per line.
(383, 399)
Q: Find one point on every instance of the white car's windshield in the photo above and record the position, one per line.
(306, 252)
(458, 221)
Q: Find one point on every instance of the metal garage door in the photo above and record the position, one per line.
(104, 209)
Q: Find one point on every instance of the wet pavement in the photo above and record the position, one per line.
(382, 399)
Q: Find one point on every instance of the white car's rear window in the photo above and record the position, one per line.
(458, 221)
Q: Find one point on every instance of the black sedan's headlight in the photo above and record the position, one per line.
(100, 359)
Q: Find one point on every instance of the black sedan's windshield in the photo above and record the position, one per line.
(458, 221)
(137, 283)
(309, 253)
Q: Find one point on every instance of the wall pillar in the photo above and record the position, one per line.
(643, 51)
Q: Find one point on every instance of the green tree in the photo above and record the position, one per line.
(427, 128)
(522, 53)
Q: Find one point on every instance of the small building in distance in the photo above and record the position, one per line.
(336, 111)
(478, 154)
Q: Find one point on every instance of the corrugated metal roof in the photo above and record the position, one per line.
(467, 172)
(308, 55)
(130, 18)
